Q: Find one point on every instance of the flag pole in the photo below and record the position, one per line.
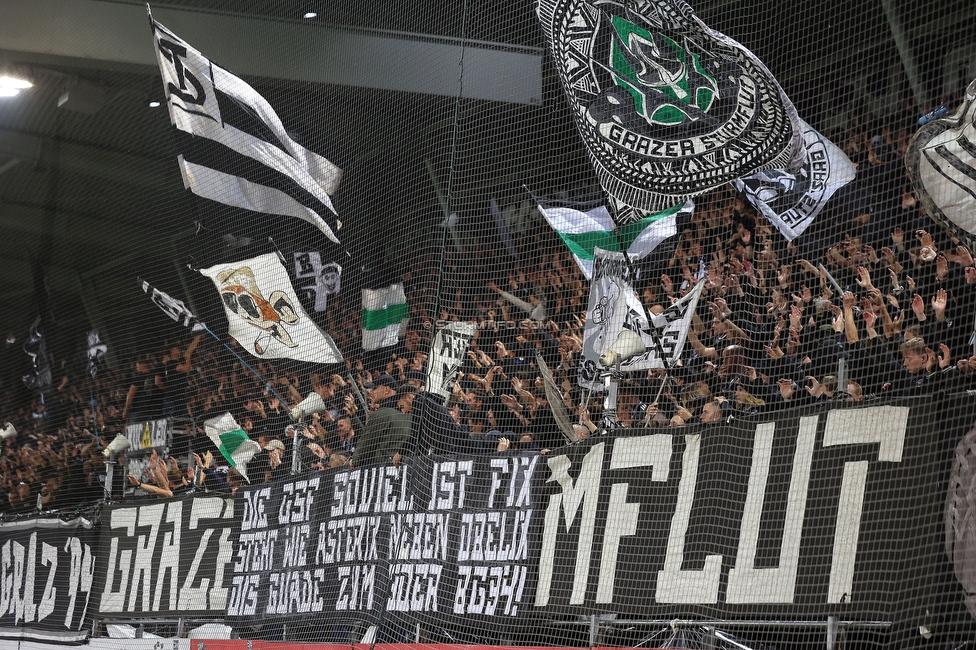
(612, 209)
(266, 383)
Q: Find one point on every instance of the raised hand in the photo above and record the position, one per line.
(945, 357)
(815, 388)
(918, 306)
(965, 257)
(869, 319)
(925, 239)
(938, 301)
(774, 351)
(864, 278)
(666, 284)
(796, 317)
(785, 388)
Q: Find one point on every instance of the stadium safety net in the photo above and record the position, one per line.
(469, 323)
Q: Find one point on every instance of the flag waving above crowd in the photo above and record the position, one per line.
(264, 314)
(385, 316)
(234, 444)
(248, 160)
(614, 307)
(941, 161)
(173, 307)
(583, 230)
(666, 107)
(793, 201)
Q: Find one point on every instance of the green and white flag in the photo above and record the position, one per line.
(582, 231)
(233, 443)
(385, 316)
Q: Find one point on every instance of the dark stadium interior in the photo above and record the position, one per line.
(433, 109)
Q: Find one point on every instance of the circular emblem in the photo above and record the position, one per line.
(667, 107)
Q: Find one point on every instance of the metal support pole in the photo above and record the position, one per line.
(831, 632)
(109, 477)
(841, 375)
(594, 629)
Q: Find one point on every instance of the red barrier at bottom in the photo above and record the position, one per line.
(197, 644)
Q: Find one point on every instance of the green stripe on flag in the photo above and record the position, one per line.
(582, 244)
(380, 318)
(229, 442)
(632, 231)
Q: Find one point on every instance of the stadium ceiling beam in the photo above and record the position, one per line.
(117, 33)
(940, 24)
(89, 161)
(78, 229)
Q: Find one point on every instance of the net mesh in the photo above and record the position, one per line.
(349, 323)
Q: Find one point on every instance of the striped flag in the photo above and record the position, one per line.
(582, 231)
(385, 316)
(261, 168)
(232, 441)
(173, 307)
(941, 161)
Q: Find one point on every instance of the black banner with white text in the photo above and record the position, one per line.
(439, 537)
(166, 557)
(47, 568)
(797, 515)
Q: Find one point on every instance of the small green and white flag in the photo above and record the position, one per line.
(582, 231)
(385, 316)
(232, 441)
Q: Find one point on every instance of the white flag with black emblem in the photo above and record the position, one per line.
(264, 315)
(793, 201)
(941, 161)
(614, 307)
(446, 356)
(259, 168)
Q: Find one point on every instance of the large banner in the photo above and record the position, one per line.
(853, 510)
(445, 539)
(47, 568)
(166, 557)
(798, 515)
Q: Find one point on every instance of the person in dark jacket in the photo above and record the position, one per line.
(387, 431)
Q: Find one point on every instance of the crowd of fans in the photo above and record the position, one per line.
(873, 292)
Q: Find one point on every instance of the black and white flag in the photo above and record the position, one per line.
(96, 352)
(614, 307)
(446, 356)
(317, 280)
(261, 168)
(668, 108)
(792, 201)
(35, 347)
(941, 161)
(173, 308)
